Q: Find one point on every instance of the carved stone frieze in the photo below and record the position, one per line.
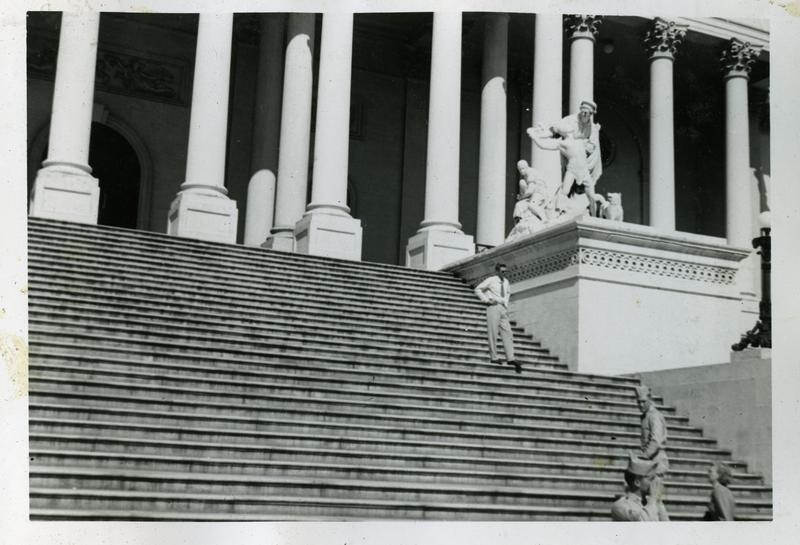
(125, 73)
(738, 57)
(582, 26)
(622, 261)
(664, 37)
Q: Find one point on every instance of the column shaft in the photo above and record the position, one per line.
(444, 122)
(547, 88)
(73, 93)
(208, 127)
(738, 216)
(64, 188)
(266, 130)
(332, 138)
(492, 157)
(581, 70)
(327, 228)
(662, 144)
(290, 198)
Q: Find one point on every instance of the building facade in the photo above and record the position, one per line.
(380, 134)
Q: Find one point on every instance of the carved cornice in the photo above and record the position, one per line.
(582, 26)
(738, 58)
(664, 37)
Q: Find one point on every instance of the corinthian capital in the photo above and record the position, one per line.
(738, 58)
(583, 26)
(664, 37)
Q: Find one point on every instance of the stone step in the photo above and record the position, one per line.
(296, 373)
(509, 422)
(165, 344)
(120, 330)
(552, 431)
(298, 296)
(491, 459)
(248, 485)
(483, 373)
(418, 393)
(371, 502)
(495, 379)
(531, 445)
(155, 516)
(108, 303)
(112, 239)
(471, 339)
(328, 398)
(541, 473)
(174, 267)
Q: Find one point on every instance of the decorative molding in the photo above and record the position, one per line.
(128, 73)
(664, 37)
(623, 261)
(582, 26)
(738, 57)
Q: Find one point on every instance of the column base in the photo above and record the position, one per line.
(329, 235)
(433, 250)
(211, 217)
(283, 241)
(65, 194)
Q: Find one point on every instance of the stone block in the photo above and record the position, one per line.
(65, 194)
(329, 235)
(433, 250)
(203, 216)
(613, 298)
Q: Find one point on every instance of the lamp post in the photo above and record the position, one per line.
(761, 334)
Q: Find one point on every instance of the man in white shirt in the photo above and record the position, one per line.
(495, 292)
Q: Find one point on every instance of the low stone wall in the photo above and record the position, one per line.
(612, 298)
(732, 402)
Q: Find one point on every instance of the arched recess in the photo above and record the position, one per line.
(38, 148)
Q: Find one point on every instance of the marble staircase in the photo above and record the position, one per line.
(173, 379)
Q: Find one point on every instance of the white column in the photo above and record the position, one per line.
(64, 188)
(582, 31)
(662, 41)
(440, 240)
(290, 197)
(547, 88)
(492, 156)
(266, 130)
(202, 209)
(737, 61)
(327, 228)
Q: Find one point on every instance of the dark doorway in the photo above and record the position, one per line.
(115, 164)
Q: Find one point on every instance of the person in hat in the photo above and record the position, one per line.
(633, 505)
(721, 505)
(654, 445)
(495, 293)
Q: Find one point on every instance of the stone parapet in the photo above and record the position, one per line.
(610, 297)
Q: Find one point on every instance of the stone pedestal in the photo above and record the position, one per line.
(64, 193)
(433, 250)
(205, 216)
(329, 235)
(613, 298)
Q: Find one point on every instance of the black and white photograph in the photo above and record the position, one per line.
(419, 272)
